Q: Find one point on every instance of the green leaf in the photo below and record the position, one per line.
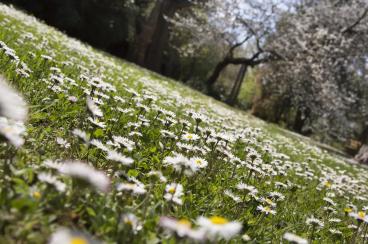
(152, 238)
(98, 133)
(91, 212)
(133, 173)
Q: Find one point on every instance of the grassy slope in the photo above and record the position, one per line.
(303, 167)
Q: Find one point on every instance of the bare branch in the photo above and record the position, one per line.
(238, 44)
(357, 22)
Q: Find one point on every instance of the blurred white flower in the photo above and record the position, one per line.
(87, 173)
(132, 220)
(181, 227)
(118, 157)
(217, 226)
(81, 134)
(294, 238)
(66, 236)
(12, 131)
(135, 188)
(52, 180)
(12, 105)
(93, 108)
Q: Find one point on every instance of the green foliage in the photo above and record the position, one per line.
(249, 90)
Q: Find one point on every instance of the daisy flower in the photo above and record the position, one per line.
(35, 193)
(174, 192)
(360, 216)
(335, 232)
(329, 201)
(190, 137)
(248, 188)
(277, 196)
(87, 173)
(197, 163)
(294, 238)
(12, 105)
(81, 134)
(52, 180)
(96, 122)
(181, 227)
(232, 196)
(267, 210)
(314, 222)
(99, 145)
(178, 161)
(157, 174)
(135, 188)
(132, 220)
(63, 143)
(334, 220)
(219, 227)
(12, 131)
(72, 99)
(128, 144)
(118, 157)
(267, 201)
(66, 236)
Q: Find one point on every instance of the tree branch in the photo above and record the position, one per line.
(248, 61)
(238, 44)
(357, 22)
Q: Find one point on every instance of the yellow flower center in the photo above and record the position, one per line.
(37, 194)
(189, 136)
(78, 240)
(199, 162)
(185, 222)
(348, 210)
(267, 209)
(8, 129)
(218, 220)
(128, 222)
(269, 201)
(171, 190)
(328, 184)
(361, 214)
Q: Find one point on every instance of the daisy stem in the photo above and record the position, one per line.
(312, 233)
(145, 199)
(234, 170)
(260, 218)
(365, 233)
(355, 235)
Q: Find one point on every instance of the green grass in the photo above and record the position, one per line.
(249, 90)
(237, 147)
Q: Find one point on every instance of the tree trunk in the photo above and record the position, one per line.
(160, 38)
(145, 37)
(229, 59)
(189, 73)
(364, 135)
(237, 85)
(153, 39)
(362, 156)
(154, 54)
(300, 119)
(214, 76)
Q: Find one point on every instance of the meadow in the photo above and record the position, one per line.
(97, 150)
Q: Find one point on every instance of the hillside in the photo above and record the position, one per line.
(118, 154)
